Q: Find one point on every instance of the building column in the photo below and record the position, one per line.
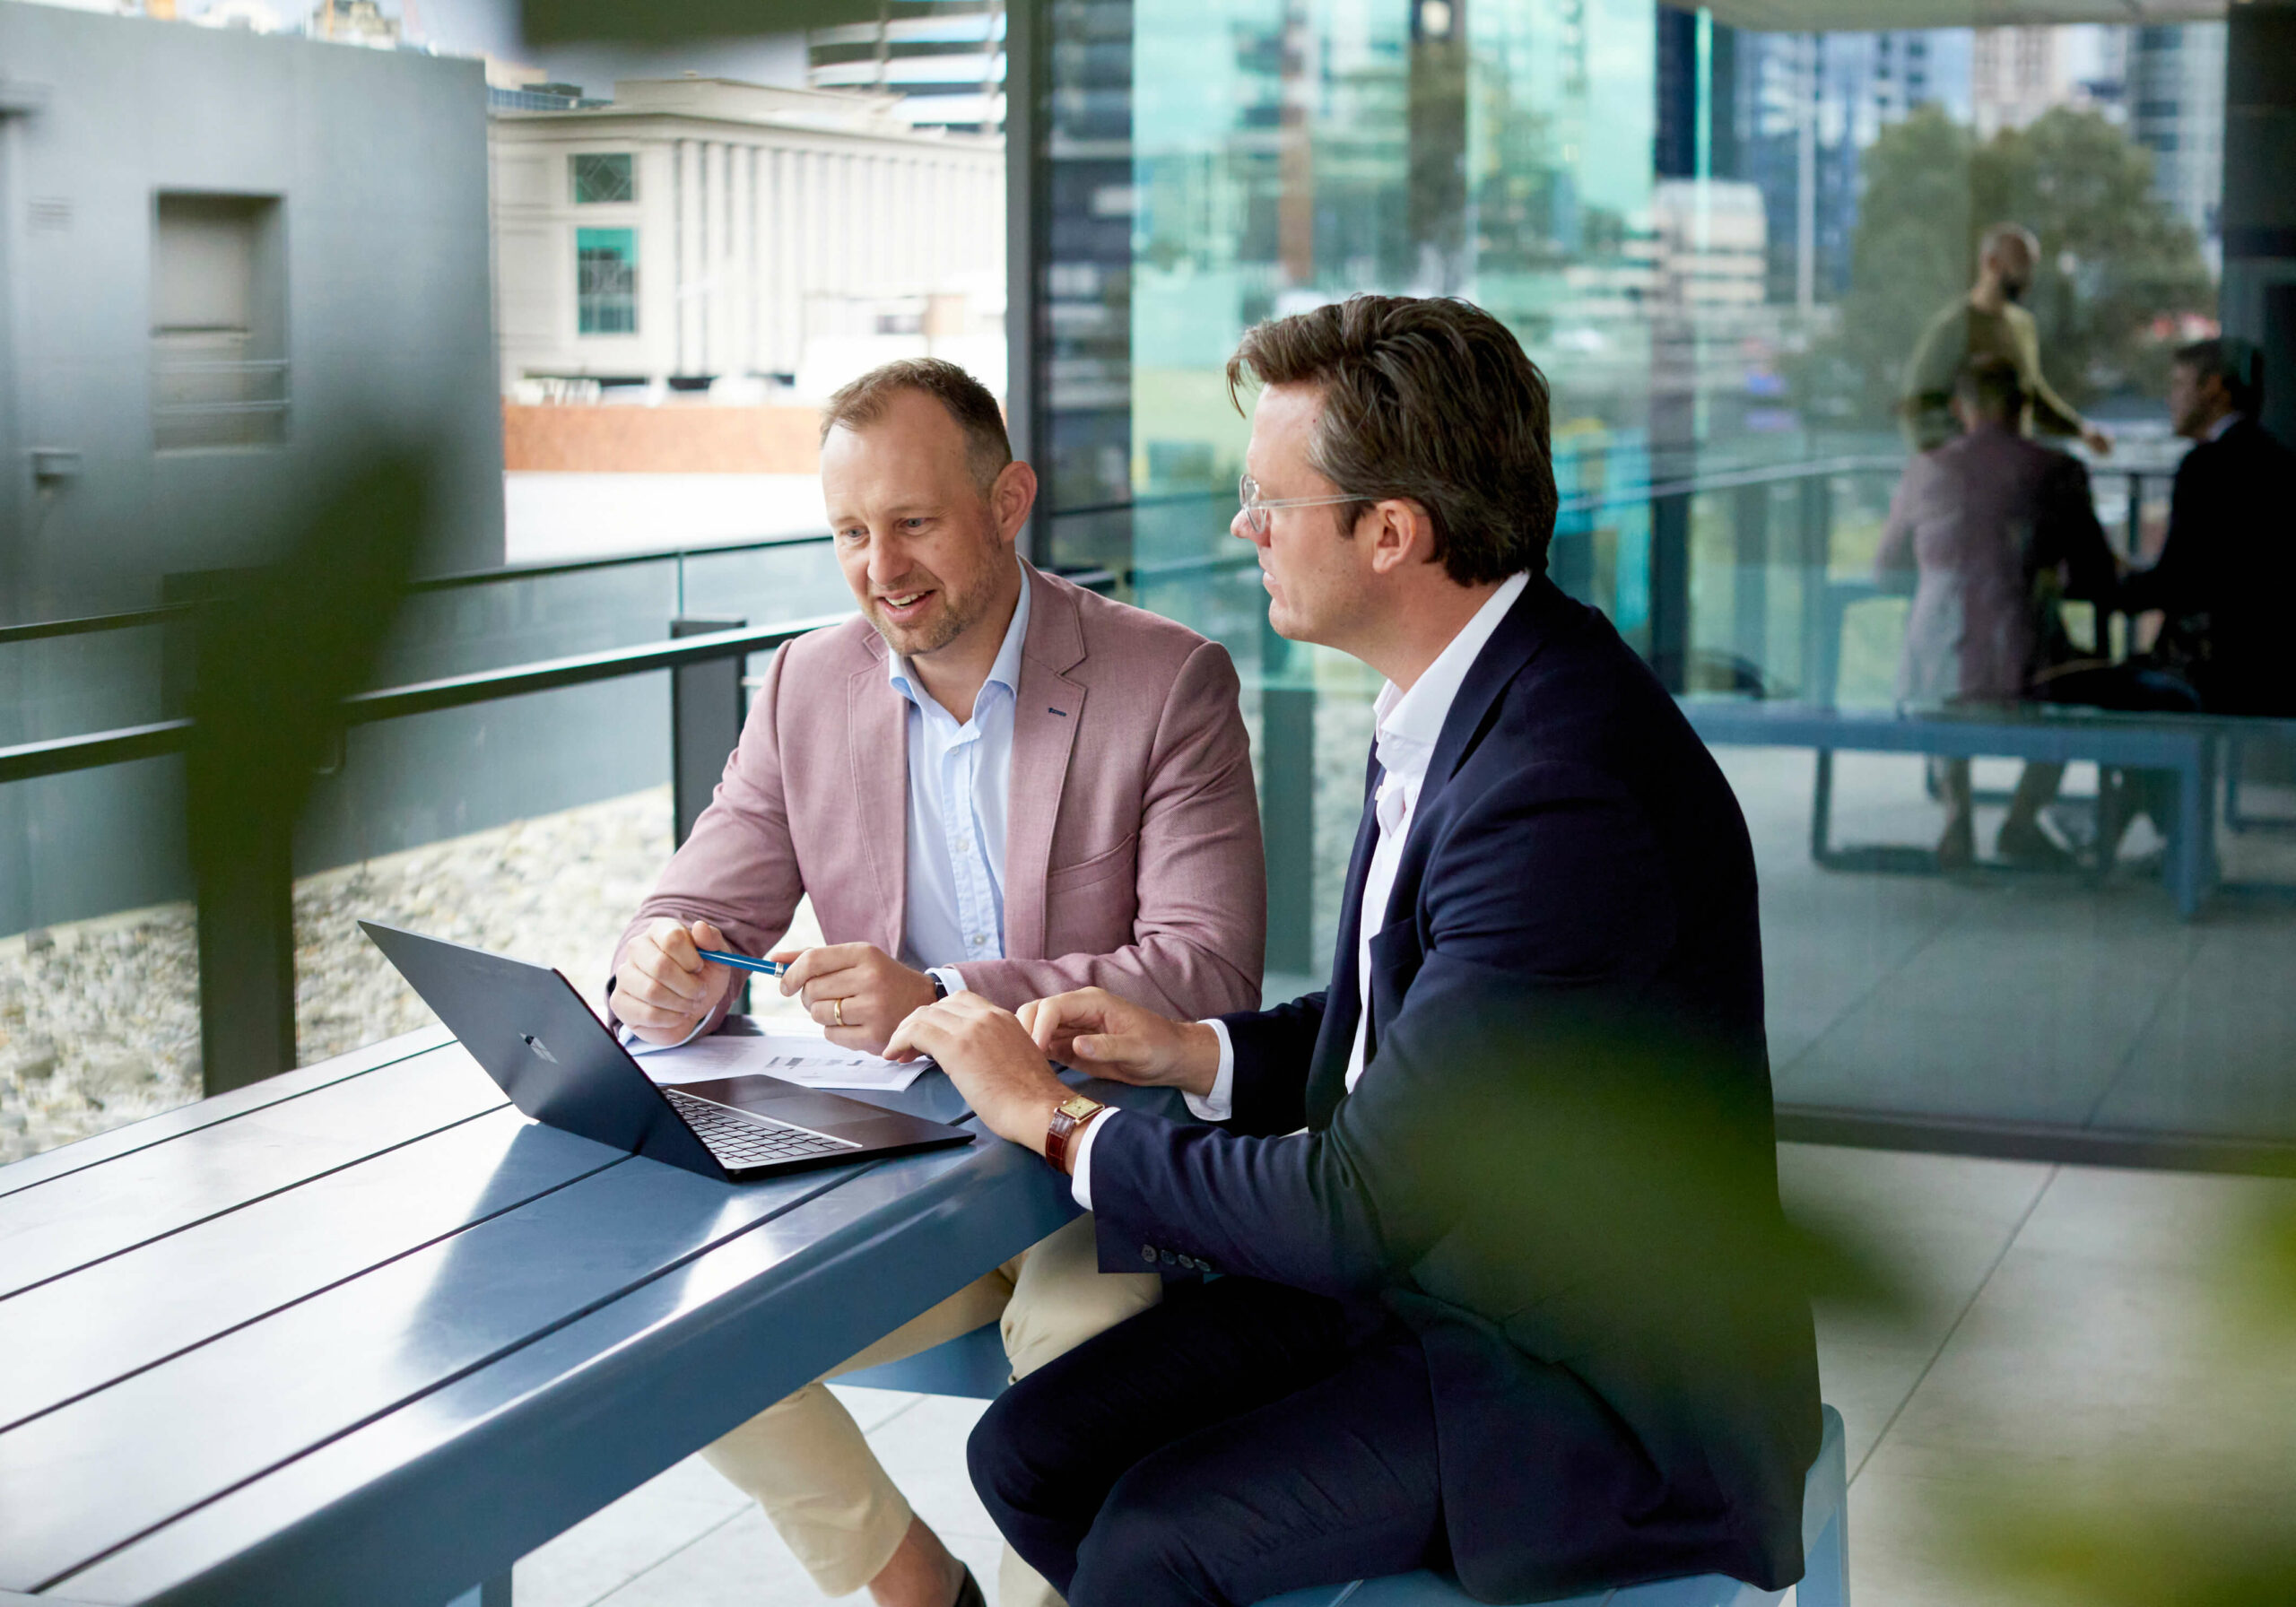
(2258, 298)
(692, 261)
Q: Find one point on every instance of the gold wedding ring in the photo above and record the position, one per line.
(837, 1012)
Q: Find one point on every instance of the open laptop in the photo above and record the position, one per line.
(562, 1066)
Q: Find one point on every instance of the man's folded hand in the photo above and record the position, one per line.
(989, 1056)
(857, 991)
(1093, 1030)
(664, 988)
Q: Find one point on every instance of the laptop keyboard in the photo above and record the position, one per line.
(741, 1141)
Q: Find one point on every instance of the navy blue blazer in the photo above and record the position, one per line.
(1559, 1167)
(2231, 556)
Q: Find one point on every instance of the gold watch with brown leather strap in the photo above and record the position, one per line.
(1071, 1114)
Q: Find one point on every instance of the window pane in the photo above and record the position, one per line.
(605, 280)
(1746, 261)
(601, 179)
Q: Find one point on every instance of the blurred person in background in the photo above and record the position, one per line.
(1989, 322)
(1497, 1213)
(1997, 531)
(995, 784)
(2226, 577)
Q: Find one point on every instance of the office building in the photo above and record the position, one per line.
(945, 58)
(203, 307)
(2176, 106)
(697, 231)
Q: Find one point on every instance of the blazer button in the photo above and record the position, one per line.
(1172, 1260)
(1148, 1253)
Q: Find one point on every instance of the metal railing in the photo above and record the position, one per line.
(457, 580)
(253, 1036)
(706, 709)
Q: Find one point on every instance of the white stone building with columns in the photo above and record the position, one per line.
(700, 234)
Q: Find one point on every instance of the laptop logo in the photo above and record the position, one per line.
(539, 1047)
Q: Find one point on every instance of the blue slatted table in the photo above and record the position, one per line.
(363, 1334)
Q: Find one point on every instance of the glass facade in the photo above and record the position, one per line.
(1723, 248)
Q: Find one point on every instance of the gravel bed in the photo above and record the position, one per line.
(100, 1020)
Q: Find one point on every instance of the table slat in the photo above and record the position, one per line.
(82, 1332)
(85, 1478)
(99, 1211)
(67, 1159)
(505, 1458)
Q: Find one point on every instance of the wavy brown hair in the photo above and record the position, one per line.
(1427, 399)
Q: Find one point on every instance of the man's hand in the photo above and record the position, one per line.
(857, 991)
(2096, 441)
(1095, 1032)
(665, 988)
(990, 1057)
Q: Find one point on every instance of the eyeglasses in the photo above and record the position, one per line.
(1256, 506)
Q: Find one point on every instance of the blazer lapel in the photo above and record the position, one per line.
(1513, 645)
(1047, 707)
(876, 726)
(1335, 1039)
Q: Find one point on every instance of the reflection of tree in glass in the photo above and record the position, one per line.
(2114, 260)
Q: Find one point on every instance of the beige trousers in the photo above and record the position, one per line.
(804, 1457)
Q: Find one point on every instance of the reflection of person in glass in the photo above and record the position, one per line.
(2227, 574)
(1990, 321)
(1998, 530)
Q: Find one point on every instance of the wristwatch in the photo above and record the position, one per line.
(1068, 1115)
(939, 988)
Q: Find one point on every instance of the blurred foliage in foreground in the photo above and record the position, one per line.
(2128, 1540)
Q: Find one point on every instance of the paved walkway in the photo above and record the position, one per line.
(2065, 1323)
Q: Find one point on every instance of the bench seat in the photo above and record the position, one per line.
(1824, 1540)
(973, 1365)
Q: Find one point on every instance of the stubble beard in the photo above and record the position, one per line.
(955, 616)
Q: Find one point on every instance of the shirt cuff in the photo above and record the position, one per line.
(1080, 1186)
(1219, 1104)
(947, 977)
(638, 1045)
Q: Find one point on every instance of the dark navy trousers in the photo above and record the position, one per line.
(1240, 1441)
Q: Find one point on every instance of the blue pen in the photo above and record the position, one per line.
(742, 963)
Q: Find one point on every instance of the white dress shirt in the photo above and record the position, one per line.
(1409, 724)
(960, 788)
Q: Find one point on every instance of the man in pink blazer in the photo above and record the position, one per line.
(993, 782)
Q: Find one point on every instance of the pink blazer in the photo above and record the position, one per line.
(1131, 855)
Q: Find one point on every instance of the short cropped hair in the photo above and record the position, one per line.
(1995, 234)
(861, 403)
(2237, 362)
(1428, 399)
(1993, 386)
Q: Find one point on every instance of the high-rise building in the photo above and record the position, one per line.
(2017, 73)
(945, 58)
(1806, 106)
(2175, 104)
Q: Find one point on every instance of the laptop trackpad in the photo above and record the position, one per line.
(785, 1101)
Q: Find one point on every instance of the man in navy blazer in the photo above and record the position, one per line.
(1502, 1284)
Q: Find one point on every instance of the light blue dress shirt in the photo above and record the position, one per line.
(960, 788)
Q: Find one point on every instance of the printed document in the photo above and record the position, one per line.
(794, 1057)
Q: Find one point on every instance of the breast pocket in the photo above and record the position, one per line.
(1119, 862)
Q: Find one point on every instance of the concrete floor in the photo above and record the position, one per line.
(2064, 1322)
(2009, 997)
